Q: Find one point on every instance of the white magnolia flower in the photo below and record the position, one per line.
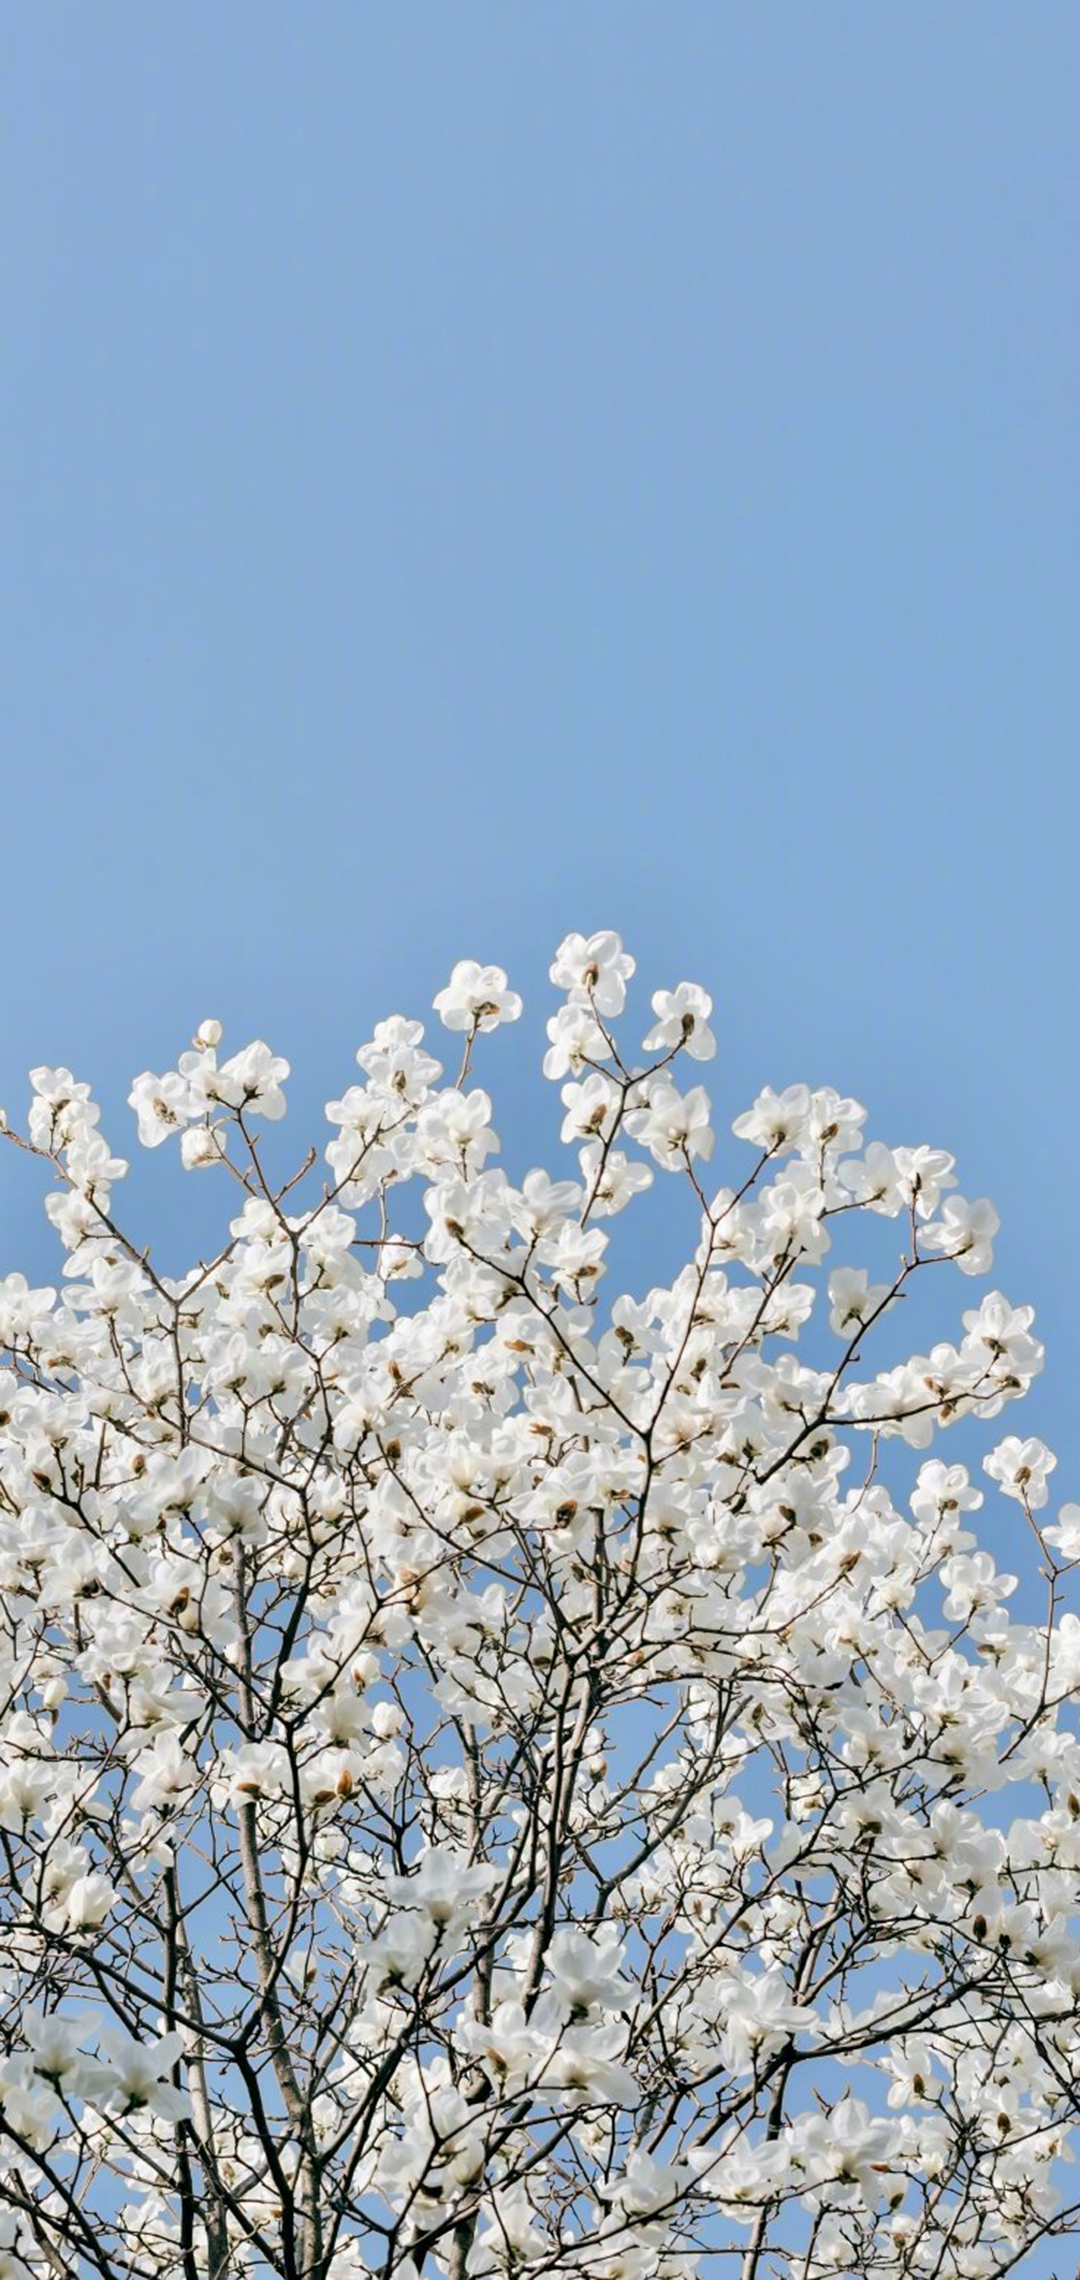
(586, 1970)
(162, 1105)
(777, 1123)
(1065, 1533)
(253, 1081)
(134, 2076)
(965, 1232)
(55, 2048)
(1021, 1469)
(442, 1886)
(682, 1018)
(853, 1298)
(88, 1900)
(166, 1773)
(594, 967)
(674, 1127)
(476, 997)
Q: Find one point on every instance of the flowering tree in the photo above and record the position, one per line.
(491, 1779)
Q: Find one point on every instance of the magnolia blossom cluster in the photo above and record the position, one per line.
(497, 1776)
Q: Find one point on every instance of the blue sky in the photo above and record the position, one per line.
(471, 472)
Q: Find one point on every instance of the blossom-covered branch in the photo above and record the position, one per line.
(494, 1776)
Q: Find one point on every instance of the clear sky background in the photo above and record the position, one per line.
(472, 471)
